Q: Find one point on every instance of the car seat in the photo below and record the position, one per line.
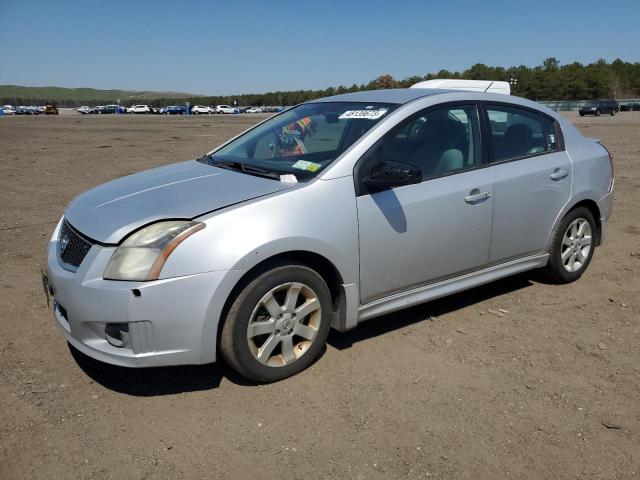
(518, 141)
(442, 147)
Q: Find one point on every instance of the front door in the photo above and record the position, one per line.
(418, 234)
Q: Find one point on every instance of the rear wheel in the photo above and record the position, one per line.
(597, 113)
(278, 324)
(573, 246)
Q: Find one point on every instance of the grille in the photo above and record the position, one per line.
(73, 247)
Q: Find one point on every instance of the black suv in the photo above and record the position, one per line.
(596, 107)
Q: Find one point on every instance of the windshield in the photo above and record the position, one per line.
(302, 141)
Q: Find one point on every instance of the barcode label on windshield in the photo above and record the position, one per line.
(366, 114)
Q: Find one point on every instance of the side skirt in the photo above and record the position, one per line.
(433, 291)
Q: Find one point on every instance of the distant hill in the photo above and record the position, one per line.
(80, 95)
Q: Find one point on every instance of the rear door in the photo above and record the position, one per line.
(532, 179)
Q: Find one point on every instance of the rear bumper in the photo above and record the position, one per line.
(606, 209)
(171, 321)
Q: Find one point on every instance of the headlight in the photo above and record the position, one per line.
(142, 255)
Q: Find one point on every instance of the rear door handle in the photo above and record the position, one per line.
(476, 196)
(559, 174)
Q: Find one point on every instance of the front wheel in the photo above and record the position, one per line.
(573, 246)
(278, 324)
(597, 113)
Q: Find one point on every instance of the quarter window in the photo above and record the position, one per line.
(516, 132)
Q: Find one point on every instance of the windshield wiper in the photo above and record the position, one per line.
(248, 169)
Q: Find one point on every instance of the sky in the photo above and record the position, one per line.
(226, 47)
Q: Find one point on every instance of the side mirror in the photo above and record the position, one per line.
(389, 173)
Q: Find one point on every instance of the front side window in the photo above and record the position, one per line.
(302, 141)
(437, 141)
(516, 132)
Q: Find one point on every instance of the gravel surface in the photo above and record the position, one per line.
(515, 379)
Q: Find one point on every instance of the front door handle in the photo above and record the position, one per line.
(559, 174)
(476, 196)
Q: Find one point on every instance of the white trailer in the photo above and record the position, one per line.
(492, 86)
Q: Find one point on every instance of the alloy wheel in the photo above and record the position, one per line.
(284, 324)
(576, 245)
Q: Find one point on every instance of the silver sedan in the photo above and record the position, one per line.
(326, 215)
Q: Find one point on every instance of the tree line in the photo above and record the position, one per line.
(548, 81)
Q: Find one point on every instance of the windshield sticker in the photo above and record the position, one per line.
(366, 114)
(304, 165)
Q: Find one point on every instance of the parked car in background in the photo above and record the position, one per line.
(156, 110)
(84, 109)
(50, 109)
(108, 109)
(201, 109)
(25, 110)
(253, 110)
(226, 109)
(8, 109)
(598, 107)
(625, 107)
(146, 109)
(635, 107)
(111, 109)
(175, 110)
(399, 197)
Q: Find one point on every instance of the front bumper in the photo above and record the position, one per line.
(170, 322)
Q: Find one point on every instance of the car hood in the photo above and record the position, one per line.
(183, 190)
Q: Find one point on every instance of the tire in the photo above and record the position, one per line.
(581, 114)
(566, 241)
(261, 354)
(613, 112)
(597, 113)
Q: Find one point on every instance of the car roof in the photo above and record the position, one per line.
(393, 95)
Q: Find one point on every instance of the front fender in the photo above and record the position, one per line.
(319, 217)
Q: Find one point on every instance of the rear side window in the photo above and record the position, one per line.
(516, 132)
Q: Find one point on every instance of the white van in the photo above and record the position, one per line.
(491, 86)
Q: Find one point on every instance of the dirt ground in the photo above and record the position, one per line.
(549, 388)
